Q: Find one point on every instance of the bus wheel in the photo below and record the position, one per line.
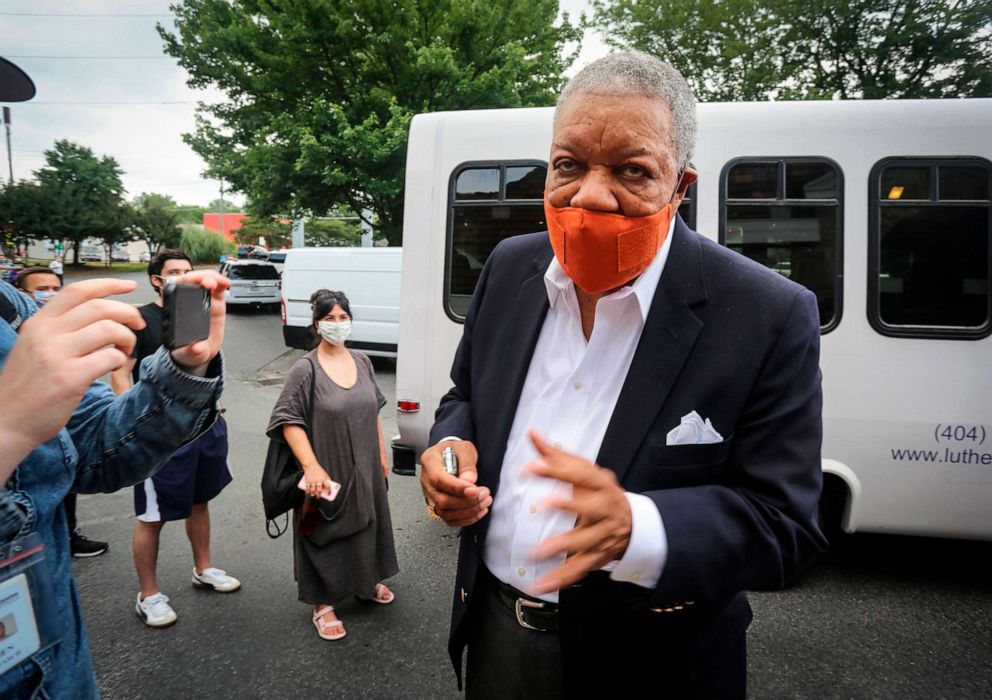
(833, 501)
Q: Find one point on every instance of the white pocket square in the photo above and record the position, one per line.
(693, 430)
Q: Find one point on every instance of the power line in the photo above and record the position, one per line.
(125, 103)
(97, 58)
(59, 14)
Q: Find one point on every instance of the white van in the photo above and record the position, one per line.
(369, 277)
(882, 208)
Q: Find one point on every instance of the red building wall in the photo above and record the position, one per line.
(232, 222)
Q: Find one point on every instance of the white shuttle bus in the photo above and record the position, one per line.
(882, 208)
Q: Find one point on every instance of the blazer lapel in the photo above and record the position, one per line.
(669, 334)
(514, 358)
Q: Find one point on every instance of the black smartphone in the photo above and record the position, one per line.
(186, 314)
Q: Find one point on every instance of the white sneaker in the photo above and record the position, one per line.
(215, 579)
(155, 610)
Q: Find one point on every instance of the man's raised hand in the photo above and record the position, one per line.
(195, 356)
(76, 338)
(603, 518)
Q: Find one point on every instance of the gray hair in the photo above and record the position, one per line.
(636, 73)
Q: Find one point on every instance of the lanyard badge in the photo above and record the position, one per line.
(28, 612)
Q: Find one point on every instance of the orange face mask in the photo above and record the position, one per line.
(600, 251)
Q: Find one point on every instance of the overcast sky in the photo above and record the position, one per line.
(134, 109)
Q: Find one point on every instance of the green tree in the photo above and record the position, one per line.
(320, 93)
(149, 199)
(220, 204)
(812, 49)
(156, 221)
(113, 228)
(190, 213)
(332, 232)
(22, 215)
(726, 49)
(204, 246)
(80, 196)
(277, 232)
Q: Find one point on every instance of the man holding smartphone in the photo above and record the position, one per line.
(183, 488)
(42, 284)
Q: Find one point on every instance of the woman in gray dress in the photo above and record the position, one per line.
(345, 443)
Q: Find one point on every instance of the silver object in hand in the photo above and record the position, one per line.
(450, 461)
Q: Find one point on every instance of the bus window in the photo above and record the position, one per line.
(526, 182)
(477, 183)
(687, 209)
(786, 213)
(929, 247)
(488, 202)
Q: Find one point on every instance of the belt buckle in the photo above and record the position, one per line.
(518, 607)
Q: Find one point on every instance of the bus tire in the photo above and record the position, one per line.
(833, 502)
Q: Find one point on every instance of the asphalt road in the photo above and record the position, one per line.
(882, 617)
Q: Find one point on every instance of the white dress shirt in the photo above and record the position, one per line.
(569, 396)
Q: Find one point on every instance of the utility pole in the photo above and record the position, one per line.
(222, 206)
(299, 233)
(366, 228)
(10, 156)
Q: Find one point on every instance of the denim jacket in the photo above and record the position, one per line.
(110, 442)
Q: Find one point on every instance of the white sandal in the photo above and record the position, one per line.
(377, 591)
(322, 625)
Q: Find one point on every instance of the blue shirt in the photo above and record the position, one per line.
(110, 442)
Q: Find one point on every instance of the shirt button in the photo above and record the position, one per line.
(558, 445)
(522, 570)
(577, 385)
(533, 507)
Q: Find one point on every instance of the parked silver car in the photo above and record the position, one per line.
(251, 282)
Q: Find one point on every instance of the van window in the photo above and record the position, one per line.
(929, 247)
(787, 213)
(488, 202)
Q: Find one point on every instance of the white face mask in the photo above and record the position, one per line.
(43, 297)
(334, 333)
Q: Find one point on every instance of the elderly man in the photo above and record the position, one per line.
(647, 444)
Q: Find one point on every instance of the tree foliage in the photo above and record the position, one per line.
(204, 246)
(812, 49)
(277, 232)
(220, 204)
(191, 213)
(22, 215)
(156, 221)
(146, 200)
(320, 93)
(77, 196)
(332, 232)
(115, 229)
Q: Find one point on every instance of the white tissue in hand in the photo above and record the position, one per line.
(693, 430)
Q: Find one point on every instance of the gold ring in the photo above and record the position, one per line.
(431, 513)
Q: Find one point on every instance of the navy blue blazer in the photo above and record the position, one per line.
(725, 337)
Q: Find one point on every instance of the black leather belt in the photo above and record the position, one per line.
(532, 614)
